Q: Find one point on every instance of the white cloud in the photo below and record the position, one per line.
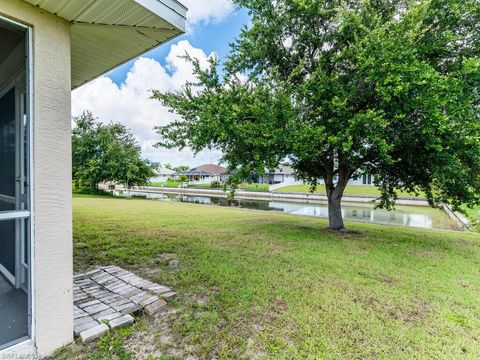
(130, 104)
(205, 11)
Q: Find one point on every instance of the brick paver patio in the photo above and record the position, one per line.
(108, 297)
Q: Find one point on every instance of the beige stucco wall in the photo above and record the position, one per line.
(52, 174)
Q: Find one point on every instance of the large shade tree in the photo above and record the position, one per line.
(106, 153)
(390, 87)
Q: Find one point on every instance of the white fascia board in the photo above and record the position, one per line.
(170, 10)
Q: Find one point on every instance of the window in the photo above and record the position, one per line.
(367, 179)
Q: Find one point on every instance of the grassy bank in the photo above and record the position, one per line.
(246, 187)
(473, 215)
(265, 285)
(172, 184)
(254, 187)
(353, 190)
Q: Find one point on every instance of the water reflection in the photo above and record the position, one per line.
(409, 216)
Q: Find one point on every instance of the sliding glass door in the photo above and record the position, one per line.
(14, 207)
(15, 242)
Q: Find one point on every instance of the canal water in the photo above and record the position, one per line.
(408, 216)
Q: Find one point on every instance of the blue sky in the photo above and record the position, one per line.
(123, 95)
(214, 36)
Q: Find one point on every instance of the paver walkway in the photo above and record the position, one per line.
(106, 298)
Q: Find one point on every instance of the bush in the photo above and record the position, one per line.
(215, 184)
(88, 191)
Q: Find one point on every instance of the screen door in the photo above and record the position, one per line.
(15, 208)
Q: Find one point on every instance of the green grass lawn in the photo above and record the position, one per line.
(173, 184)
(254, 187)
(473, 213)
(201, 186)
(265, 285)
(354, 190)
(473, 216)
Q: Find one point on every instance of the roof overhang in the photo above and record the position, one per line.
(107, 33)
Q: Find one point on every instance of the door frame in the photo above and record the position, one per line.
(18, 83)
(30, 213)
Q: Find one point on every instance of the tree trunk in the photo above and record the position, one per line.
(335, 217)
(335, 189)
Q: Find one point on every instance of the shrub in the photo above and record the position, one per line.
(88, 191)
(215, 184)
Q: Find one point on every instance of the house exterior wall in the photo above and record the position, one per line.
(274, 179)
(284, 180)
(203, 180)
(160, 178)
(364, 179)
(52, 207)
(359, 180)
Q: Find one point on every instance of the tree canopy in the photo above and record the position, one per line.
(181, 168)
(391, 87)
(106, 153)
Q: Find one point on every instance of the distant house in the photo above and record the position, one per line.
(362, 179)
(162, 175)
(282, 174)
(358, 179)
(203, 174)
(216, 170)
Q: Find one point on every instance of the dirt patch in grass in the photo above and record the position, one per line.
(418, 311)
(387, 280)
(425, 253)
(410, 312)
(156, 340)
(163, 337)
(170, 339)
